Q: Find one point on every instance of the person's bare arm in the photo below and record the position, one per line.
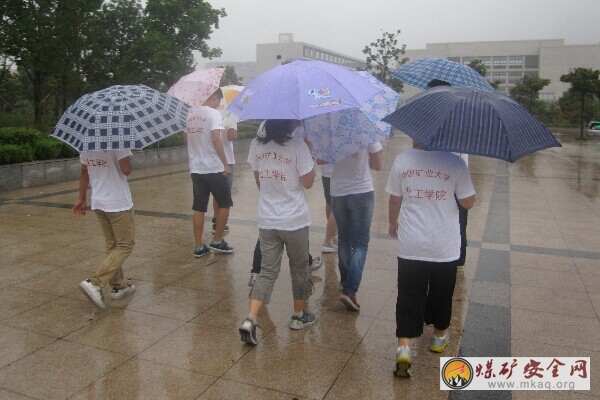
(125, 165)
(375, 160)
(84, 181)
(467, 202)
(307, 180)
(218, 143)
(232, 134)
(394, 205)
(257, 179)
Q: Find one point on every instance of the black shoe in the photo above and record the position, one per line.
(201, 251)
(221, 247)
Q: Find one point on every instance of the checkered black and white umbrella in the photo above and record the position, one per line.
(121, 117)
(419, 73)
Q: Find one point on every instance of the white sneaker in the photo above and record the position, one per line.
(329, 249)
(93, 292)
(316, 264)
(253, 276)
(118, 293)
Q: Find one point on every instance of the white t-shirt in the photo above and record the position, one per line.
(201, 151)
(110, 190)
(281, 203)
(352, 175)
(326, 170)
(228, 144)
(427, 181)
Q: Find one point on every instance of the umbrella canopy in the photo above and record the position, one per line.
(121, 117)
(230, 92)
(472, 121)
(419, 73)
(299, 90)
(196, 88)
(339, 134)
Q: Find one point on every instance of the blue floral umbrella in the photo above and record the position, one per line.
(299, 90)
(419, 73)
(473, 121)
(340, 134)
(121, 117)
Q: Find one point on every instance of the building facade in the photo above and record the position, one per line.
(507, 62)
(269, 55)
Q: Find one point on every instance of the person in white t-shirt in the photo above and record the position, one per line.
(107, 171)
(423, 186)
(330, 240)
(228, 136)
(283, 169)
(209, 170)
(352, 203)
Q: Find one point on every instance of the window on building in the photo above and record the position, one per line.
(532, 61)
(487, 61)
(455, 59)
(547, 97)
(514, 77)
(499, 76)
(515, 62)
(499, 62)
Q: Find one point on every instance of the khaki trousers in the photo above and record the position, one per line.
(119, 239)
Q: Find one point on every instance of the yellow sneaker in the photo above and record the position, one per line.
(403, 362)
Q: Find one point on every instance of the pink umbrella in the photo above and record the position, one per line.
(196, 88)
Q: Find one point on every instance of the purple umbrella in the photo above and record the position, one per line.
(301, 89)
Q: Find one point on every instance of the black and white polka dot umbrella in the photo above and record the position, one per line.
(121, 117)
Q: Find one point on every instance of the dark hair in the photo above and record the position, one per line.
(277, 130)
(437, 82)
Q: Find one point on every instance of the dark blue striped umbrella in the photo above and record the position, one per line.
(473, 121)
(121, 117)
(419, 73)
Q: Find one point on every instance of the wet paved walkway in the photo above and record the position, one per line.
(531, 287)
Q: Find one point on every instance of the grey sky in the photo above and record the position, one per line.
(347, 26)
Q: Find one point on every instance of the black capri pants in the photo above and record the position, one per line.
(425, 291)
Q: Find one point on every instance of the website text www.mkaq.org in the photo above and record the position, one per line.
(532, 384)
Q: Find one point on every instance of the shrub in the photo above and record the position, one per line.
(12, 153)
(47, 148)
(19, 135)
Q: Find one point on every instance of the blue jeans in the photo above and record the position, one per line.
(353, 214)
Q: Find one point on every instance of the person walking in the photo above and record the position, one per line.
(209, 170)
(352, 203)
(330, 240)
(228, 136)
(107, 173)
(283, 169)
(423, 216)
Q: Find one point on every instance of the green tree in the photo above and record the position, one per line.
(174, 29)
(115, 52)
(230, 77)
(570, 106)
(584, 82)
(479, 66)
(527, 91)
(384, 56)
(36, 34)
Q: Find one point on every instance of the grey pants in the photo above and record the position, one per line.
(272, 243)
